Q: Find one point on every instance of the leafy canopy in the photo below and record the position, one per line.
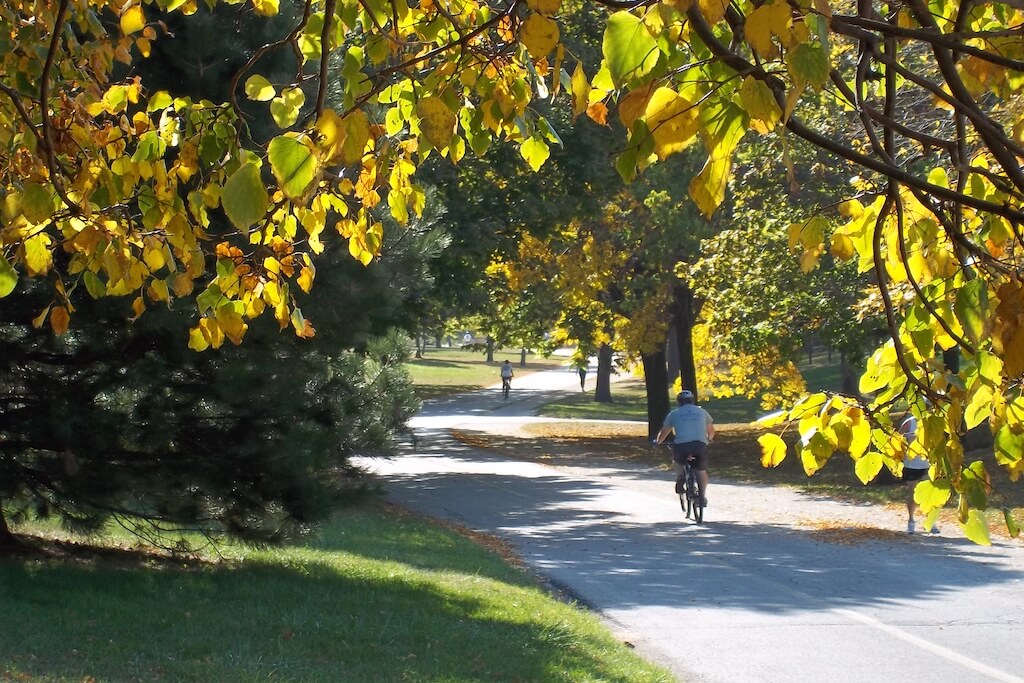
(121, 190)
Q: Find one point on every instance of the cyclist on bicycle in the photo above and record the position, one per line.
(506, 374)
(694, 429)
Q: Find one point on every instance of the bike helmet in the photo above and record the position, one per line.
(685, 396)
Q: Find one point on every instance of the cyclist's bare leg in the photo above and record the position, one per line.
(702, 482)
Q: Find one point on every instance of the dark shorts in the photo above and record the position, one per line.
(914, 474)
(698, 449)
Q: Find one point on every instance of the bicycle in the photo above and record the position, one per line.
(506, 386)
(690, 499)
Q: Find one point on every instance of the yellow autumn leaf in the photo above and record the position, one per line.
(231, 323)
(266, 8)
(672, 120)
(182, 284)
(632, 106)
(765, 21)
(547, 7)
(197, 340)
(357, 135)
(138, 308)
(758, 101)
(580, 91)
(305, 279)
(842, 247)
(210, 329)
(539, 35)
(773, 450)
(713, 10)
(437, 121)
(133, 20)
(332, 135)
(37, 255)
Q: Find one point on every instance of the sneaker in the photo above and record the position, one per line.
(934, 529)
(680, 485)
(910, 527)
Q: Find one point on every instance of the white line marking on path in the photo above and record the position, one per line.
(943, 652)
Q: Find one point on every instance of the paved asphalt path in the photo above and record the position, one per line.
(771, 588)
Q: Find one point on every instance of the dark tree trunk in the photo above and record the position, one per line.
(419, 346)
(849, 380)
(603, 392)
(684, 315)
(490, 349)
(437, 342)
(6, 537)
(951, 359)
(522, 357)
(656, 383)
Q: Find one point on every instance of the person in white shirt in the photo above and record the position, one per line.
(915, 468)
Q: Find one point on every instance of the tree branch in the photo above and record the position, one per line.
(44, 109)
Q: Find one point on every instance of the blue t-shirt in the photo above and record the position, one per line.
(689, 422)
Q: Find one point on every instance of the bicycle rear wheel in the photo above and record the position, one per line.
(694, 497)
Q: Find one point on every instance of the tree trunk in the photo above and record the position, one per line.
(684, 315)
(849, 380)
(437, 342)
(672, 355)
(603, 392)
(656, 383)
(6, 537)
(522, 358)
(419, 346)
(490, 349)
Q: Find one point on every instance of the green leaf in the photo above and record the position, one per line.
(773, 450)
(976, 528)
(159, 100)
(931, 494)
(979, 407)
(1009, 447)
(972, 308)
(293, 163)
(629, 49)
(808, 65)
(1011, 524)
(8, 278)
(244, 197)
(258, 88)
(94, 285)
(151, 147)
(535, 151)
(209, 299)
(37, 203)
(881, 369)
(285, 107)
(868, 467)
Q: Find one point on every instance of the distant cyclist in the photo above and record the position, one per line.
(694, 429)
(506, 376)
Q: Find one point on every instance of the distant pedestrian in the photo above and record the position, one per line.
(582, 369)
(915, 468)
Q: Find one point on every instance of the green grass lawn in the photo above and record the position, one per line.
(446, 371)
(629, 402)
(374, 596)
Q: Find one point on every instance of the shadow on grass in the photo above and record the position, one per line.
(292, 614)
